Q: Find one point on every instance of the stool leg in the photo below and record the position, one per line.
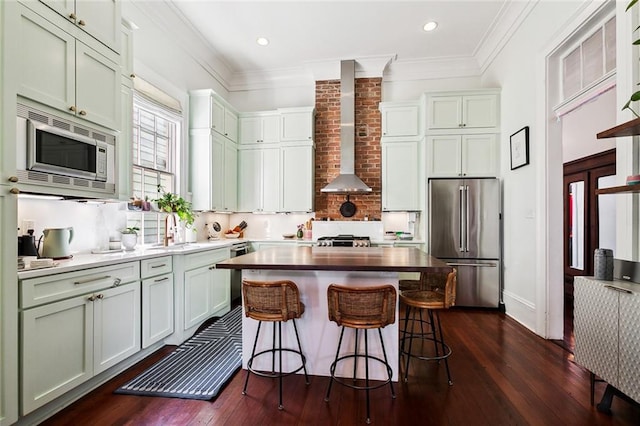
(406, 371)
(273, 352)
(366, 372)
(384, 353)
(304, 361)
(332, 369)
(446, 360)
(280, 406)
(433, 332)
(253, 352)
(592, 382)
(355, 358)
(404, 331)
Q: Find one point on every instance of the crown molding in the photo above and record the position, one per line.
(507, 22)
(428, 69)
(169, 19)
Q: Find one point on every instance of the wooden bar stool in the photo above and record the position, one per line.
(438, 292)
(361, 308)
(275, 302)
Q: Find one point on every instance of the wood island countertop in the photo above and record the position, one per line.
(391, 259)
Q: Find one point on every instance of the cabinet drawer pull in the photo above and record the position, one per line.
(159, 280)
(618, 289)
(90, 280)
(212, 267)
(158, 266)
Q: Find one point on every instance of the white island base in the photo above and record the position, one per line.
(319, 336)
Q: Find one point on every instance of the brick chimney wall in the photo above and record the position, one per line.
(368, 160)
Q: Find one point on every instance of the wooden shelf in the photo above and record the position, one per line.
(618, 189)
(630, 128)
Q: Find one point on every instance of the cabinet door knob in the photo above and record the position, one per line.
(91, 298)
(82, 112)
(100, 296)
(81, 23)
(72, 16)
(132, 75)
(14, 191)
(13, 179)
(72, 108)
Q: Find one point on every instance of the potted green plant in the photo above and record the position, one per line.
(173, 203)
(129, 237)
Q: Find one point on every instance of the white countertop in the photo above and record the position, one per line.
(91, 260)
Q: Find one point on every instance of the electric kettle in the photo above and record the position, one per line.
(56, 243)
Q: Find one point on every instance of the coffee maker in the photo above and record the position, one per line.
(27, 241)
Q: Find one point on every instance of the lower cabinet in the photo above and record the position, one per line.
(607, 337)
(157, 299)
(67, 341)
(207, 290)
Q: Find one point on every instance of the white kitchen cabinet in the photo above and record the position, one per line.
(259, 127)
(400, 119)
(75, 325)
(60, 71)
(470, 110)
(207, 290)
(100, 19)
(208, 110)
(126, 51)
(462, 155)
(606, 315)
(297, 124)
(124, 144)
(400, 176)
(89, 318)
(298, 177)
(8, 308)
(157, 299)
(259, 179)
(214, 171)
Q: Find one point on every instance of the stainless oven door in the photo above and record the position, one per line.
(236, 274)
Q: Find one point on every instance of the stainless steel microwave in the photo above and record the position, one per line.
(53, 151)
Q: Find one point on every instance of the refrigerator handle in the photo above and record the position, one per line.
(466, 217)
(461, 218)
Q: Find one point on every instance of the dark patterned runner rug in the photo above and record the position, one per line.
(199, 367)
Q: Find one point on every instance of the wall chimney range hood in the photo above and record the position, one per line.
(347, 182)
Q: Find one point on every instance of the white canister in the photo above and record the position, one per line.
(603, 264)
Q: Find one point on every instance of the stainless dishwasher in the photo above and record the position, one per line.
(237, 249)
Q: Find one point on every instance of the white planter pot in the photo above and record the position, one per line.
(129, 241)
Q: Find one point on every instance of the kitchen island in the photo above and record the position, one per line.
(313, 269)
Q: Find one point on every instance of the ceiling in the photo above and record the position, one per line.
(303, 34)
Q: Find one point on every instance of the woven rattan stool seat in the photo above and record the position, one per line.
(361, 308)
(275, 302)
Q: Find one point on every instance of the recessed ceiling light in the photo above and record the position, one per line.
(262, 41)
(430, 26)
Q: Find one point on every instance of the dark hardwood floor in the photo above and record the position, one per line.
(503, 374)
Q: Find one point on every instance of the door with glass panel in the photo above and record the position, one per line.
(584, 231)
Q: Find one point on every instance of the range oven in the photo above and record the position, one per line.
(344, 240)
(236, 274)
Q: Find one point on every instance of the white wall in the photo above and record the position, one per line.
(580, 126)
(524, 193)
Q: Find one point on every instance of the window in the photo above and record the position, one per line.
(592, 59)
(155, 144)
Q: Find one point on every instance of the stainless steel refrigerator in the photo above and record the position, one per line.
(465, 231)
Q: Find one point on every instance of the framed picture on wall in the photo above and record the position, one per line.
(520, 148)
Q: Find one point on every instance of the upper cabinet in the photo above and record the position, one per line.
(474, 155)
(99, 19)
(400, 119)
(473, 110)
(297, 124)
(209, 111)
(260, 127)
(63, 72)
